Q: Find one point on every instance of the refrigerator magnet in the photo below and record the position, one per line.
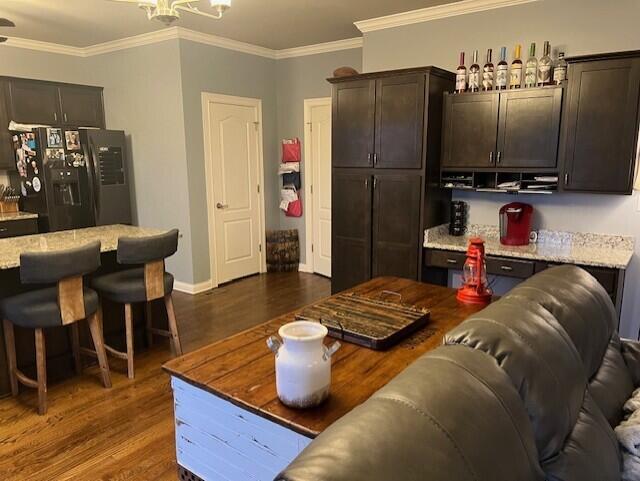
(73, 139)
(54, 137)
(35, 182)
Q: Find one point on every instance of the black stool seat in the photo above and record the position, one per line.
(127, 286)
(40, 308)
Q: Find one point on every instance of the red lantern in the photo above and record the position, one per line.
(475, 289)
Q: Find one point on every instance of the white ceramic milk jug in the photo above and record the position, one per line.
(303, 363)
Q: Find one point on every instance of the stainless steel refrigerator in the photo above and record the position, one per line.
(107, 167)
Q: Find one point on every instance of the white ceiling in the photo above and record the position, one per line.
(275, 24)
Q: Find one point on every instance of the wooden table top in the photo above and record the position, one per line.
(241, 368)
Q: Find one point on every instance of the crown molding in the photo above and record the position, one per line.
(435, 13)
(345, 44)
(172, 33)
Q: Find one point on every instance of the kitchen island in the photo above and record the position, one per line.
(59, 356)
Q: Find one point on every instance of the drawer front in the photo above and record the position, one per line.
(14, 228)
(606, 277)
(502, 266)
(446, 259)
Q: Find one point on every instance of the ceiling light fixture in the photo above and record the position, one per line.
(168, 11)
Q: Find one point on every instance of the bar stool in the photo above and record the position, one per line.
(142, 284)
(65, 304)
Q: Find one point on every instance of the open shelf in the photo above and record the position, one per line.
(500, 181)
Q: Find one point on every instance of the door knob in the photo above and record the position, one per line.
(221, 206)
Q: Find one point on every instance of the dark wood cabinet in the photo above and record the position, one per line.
(470, 130)
(81, 106)
(350, 229)
(353, 123)
(396, 225)
(7, 156)
(33, 102)
(529, 128)
(600, 131)
(386, 151)
(399, 129)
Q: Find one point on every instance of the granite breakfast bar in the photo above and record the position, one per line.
(59, 356)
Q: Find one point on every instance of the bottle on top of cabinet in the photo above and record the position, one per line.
(461, 75)
(487, 72)
(502, 70)
(531, 69)
(474, 74)
(544, 66)
(560, 70)
(515, 78)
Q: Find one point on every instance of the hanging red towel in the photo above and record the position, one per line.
(294, 209)
(291, 150)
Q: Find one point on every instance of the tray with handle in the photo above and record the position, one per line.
(375, 323)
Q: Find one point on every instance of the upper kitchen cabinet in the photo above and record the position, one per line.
(7, 155)
(600, 133)
(81, 106)
(353, 123)
(470, 129)
(529, 128)
(33, 102)
(400, 107)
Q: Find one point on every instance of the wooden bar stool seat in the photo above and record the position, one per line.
(142, 285)
(65, 304)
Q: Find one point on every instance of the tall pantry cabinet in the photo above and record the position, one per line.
(385, 172)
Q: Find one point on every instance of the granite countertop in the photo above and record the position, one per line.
(602, 250)
(17, 216)
(12, 247)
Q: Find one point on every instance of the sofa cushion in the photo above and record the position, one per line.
(453, 414)
(581, 306)
(591, 452)
(612, 385)
(539, 357)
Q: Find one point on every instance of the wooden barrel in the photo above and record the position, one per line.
(283, 250)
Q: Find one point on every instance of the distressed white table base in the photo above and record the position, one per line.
(219, 441)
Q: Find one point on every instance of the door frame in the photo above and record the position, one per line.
(208, 97)
(308, 175)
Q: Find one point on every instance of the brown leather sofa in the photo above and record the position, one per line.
(527, 389)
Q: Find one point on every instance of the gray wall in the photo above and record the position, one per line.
(578, 27)
(143, 96)
(302, 78)
(216, 70)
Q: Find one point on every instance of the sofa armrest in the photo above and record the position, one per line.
(631, 354)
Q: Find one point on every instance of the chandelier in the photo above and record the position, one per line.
(168, 11)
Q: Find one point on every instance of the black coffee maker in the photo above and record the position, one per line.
(458, 218)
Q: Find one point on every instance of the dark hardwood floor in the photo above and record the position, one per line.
(126, 433)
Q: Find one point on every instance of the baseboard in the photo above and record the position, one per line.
(305, 268)
(193, 288)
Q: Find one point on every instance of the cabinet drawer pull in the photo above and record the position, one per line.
(3, 229)
(452, 261)
(506, 268)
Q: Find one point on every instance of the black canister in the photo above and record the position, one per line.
(458, 218)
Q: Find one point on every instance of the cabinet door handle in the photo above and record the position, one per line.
(369, 156)
(491, 157)
(366, 183)
(375, 182)
(566, 179)
(375, 159)
(452, 261)
(65, 117)
(499, 157)
(506, 268)
(55, 116)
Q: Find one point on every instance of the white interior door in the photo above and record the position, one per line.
(235, 147)
(320, 150)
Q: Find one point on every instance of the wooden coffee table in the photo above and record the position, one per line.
(230, 424)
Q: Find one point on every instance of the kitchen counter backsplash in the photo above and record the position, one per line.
(578, 247)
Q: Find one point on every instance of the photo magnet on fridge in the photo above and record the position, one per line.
(73, 139)
(54, 137)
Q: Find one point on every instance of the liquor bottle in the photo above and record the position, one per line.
(531, 69)
(502, 71)
(515, 78)
(461, 75)
(544, 66)
(474, 74)
(487, 72)
(560, 70)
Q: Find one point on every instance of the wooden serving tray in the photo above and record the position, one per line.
(369, 322)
